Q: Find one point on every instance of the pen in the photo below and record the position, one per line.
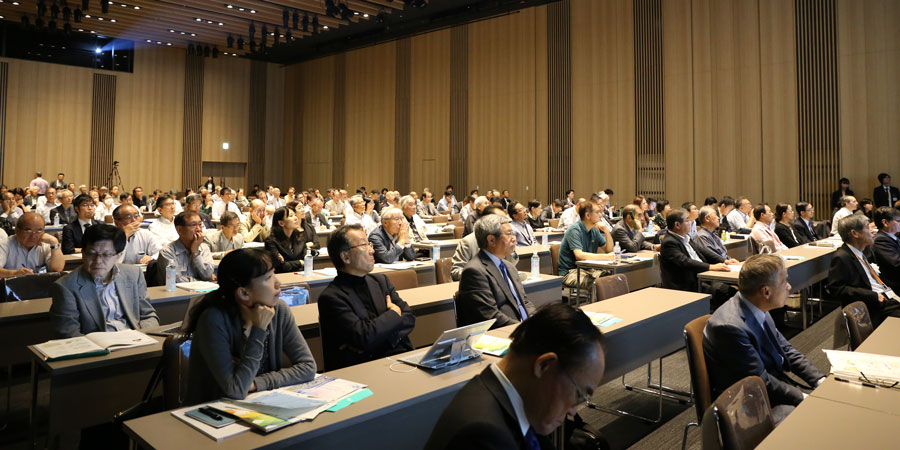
(209, 413)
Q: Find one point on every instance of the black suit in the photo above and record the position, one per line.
(480, 416)
(291, 252)
(207, 221)
(880, 196)
(887, 256)
(386, 250)
(736, 346)
(629, 240)
(677, 268)
(847, 282)
(805, 235)
(484, 294)
(65, 215)
(787, 234)
(356, 324)
(72, 234)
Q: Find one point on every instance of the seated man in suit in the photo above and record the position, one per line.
(490, 287)
(726, 205)
(739, 218)
(887, 246)
(885, 194)
(679, 262)
(741, 339)
(784, 225)
(477, 208)
(519, 215)
(84, 208)
(141, 246)
(315, 217)
(803, 225)
(628, 231)
(417, 229)
(848, 206)
(762, 233)
(851, 278)
(254, 225)
(553, 365)
(706, 242)
(552, 211)
(193, 260)
(226, 238)
(468, 248)
(391, 239)
(65, 212)
(425, 209)
(101, 295)
(30, 250)
(587, 239)
(360, 313)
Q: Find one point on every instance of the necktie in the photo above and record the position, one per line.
(871, 271)
(531, 440)
(512, 288)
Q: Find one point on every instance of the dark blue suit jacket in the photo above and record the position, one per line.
(72, 234)
(386, 251)
(733, 350)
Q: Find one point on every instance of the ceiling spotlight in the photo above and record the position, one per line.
(252, 11)
(169, 44)
(137, 7)
(229, 6)
(149, 41)
(97, 50)
(366, 15)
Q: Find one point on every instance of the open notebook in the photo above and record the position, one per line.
(93, 344)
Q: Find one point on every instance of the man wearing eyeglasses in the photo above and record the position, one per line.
(391, 239)
(360, 313)
(193, 260)
(101, 295)
(887, 245)
(30, 250)
(553, 365)
(141, 246)
(71, 235)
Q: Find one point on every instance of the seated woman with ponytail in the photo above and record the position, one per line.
(289, 239)
(240, 332)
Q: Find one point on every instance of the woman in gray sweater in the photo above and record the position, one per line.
(240, 332)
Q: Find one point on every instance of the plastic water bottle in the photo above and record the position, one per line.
(724, 235)
(617, 250)
(171, 274)
(535, 265)
(435, 254)
(308, 264)
(56, 220)
(544, 240)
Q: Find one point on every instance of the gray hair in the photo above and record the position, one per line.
(355, 200)
(193, 198)
(481, 200)
(854, 222)
(489, 225)
(390, 213)
(406, 199)
(704, 213)
(846, 199)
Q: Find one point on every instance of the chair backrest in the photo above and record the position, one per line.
(403, 279)
(176, 354)
(709, 431)
(554, 258)
(693, 340)
(859, 324)
(458, 232)
(457, 223)
(440, 219)
(611, 286)
(442, 270)
(27, 287)
(108, 219)
(554, 223)
(743, 414)
(454, 216)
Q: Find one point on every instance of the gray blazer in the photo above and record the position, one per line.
(630, 240)
(219, 245)
(76, 309)
(465, 251)
(484, 294)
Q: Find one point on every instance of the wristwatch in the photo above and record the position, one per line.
(54, 246)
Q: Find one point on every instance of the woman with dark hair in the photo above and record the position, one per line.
(210, 185)
(288, 240)
(843, 191)
(240, 332)
(784, 226)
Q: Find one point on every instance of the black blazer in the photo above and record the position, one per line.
(629, 240)
(836, 198)
(804, 234)
(887, 256)
(484, 294)
(880, 197)
(64, 215)
(480, 416)
(733, 351)
(787, 235)
(386, 251)
(72, 234)
(207, 221)
(677, 268)
(847, 282)
(292, 253)
(349, 336)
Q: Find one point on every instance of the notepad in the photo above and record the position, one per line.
(602, 319)
(492, 345)
(93, 344)
(197, 286)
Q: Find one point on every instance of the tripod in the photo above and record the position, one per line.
(113, 179)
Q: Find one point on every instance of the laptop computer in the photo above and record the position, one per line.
(292, 295)
(451, 348)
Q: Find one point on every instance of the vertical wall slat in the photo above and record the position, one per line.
(192, 134)
(103, 120)
(402, 151)
(4, 85)
(256, 144)
(650, 156)
(559, 50)
(459, 109)
(339, 135)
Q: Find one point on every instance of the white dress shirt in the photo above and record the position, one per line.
(838, 215)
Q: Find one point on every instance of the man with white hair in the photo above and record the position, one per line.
(276, 200)
(417, 228)
(480, 203)
(334, 206)
(570, 216)
(390, 240)
(314, 215)
(848, 206)
(357, 214)
(253, 225)
(468, 248)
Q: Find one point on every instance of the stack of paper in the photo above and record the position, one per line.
(602, 319)
(198, 286)
(864, 368)
(492, 345)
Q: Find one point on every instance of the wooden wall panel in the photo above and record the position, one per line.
(559, 50)
(339, 125)
(402, 154)
(459, 110)
(603, 98)
(869, 67)
(256, 132)
(103, 130)
(429, 117)
(292, 124)
(226, 109)
(316, 84)
(192, 132)
(279, 161)
(502, 102)
(370, 95)
(541, 188)
(150, 119)
(4, 94)
(650, 152)
(678, 102)
(48, 122)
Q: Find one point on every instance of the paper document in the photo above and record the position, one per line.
(602, 319)
(865, 368)
(254, 244)
(198, 286)
(327, 272)
(327, 388)
(492, 345)
(399, 265)
(734, 267)
(93, 344)
(283, 405)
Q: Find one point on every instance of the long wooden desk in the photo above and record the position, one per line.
(641, 274)
(738, 249)
(317, 283)
(824, 424)
(417, 398)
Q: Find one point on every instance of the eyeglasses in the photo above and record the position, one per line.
(194, 224)
(508, 233)
(103, 256)
(583, 398)
(365, 244)
(31, 232)
(130, 217)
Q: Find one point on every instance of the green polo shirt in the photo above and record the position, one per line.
(577, 237)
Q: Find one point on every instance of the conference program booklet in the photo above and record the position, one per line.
(93, 344)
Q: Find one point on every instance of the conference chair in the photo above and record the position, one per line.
(454, 217)
(458, 232)
(554, 223)
(858, 323)
(702, 394)
(741, 415)
(554, 258)
(172, 371)
(440, 219)
(610, 286)
(457, 223)
(442, 270)
(403, 279)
